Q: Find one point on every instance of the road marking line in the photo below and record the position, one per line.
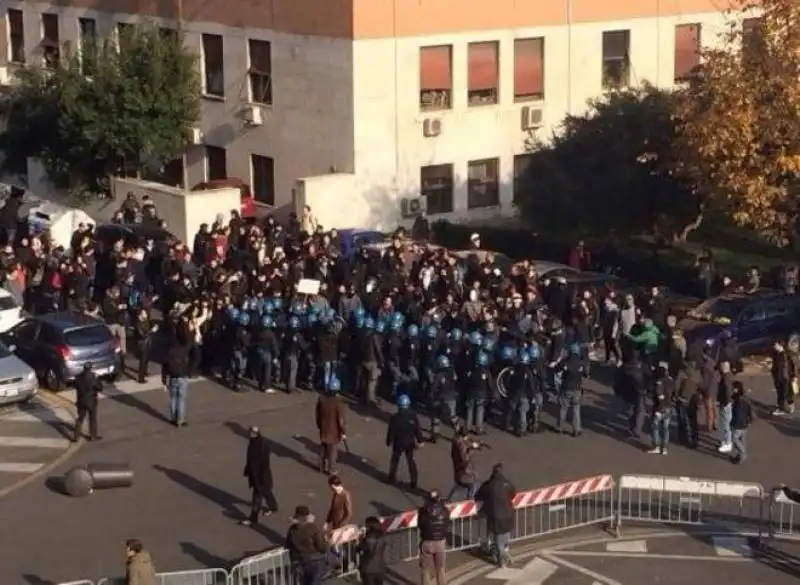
(20, 467)
(731, 546)
(38, 442)
(601, 579)
(536, 572)
(628, 546)
(40, 414)
(656, 557)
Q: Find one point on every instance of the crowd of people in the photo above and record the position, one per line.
(453, 338)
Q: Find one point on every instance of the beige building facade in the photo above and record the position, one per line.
(370, 110)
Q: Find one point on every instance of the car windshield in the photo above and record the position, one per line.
(4, 351)
(92, 335)
(718, 310)
(7, 303)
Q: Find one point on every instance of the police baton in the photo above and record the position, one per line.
(346, 445)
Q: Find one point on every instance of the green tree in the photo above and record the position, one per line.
(127, 107)
(609, 169)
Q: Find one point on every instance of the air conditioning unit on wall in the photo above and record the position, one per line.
(431, 127)
(253, 115)
(197, 136)
(531, 118)
(7, 77)
(412, 206)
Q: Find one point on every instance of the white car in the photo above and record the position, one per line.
(10, 311)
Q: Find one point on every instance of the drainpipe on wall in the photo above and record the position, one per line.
(396, 101)
(569, 56)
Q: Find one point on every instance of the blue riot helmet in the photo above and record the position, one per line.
(534, 351)
(525, 357)
(403, 401)
(334, 385)
(431, 332)
(413, 331)
(246, 305)
(456, 334)
(277, 303)
(359, 312)
(574, 349)
(298, 308)
(508, 353)
(330, 314)
(243, 319)
(380, 327)
(267, 322)
(443, 362)
(482, 358)
(489, 345)
(360, 322)
(369, 323)
(490, 327)
(294, 322)
(312, 318)
(233, 312)
(475, 338)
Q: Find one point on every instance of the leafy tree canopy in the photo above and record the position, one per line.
(738, 121)
(609, 169)
(121, 105)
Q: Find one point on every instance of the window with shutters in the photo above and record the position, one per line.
(752, 40)
(213, 66)
(521, 164)
(262, 178)
(616, 59)
(482, 73)
(483, 183)
(87, 30)
(216, 163)
(260, 72)
(16, 37)
(436, 185)
(436, 78)
(528, 69)
(687, 50)
(51, 41)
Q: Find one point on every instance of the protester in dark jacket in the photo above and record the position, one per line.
(307, 547)
(433, 520)
(372, 553)
(258, 472)
(741, 419)
(497, 498)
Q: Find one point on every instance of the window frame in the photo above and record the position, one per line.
(432, 99)
(490, 197)
(623, 62)
(216, 77)
(51, 45)
(696, 28)
(269, 199)
(489, 96)
(16, 38)
(438, 199)
(210, 151)
(519, 173)
(534, 97)
(259, 81)
(87, 45)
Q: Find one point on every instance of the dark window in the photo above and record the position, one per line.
(93, 335)
(528, 69)
(88, 44)
(521, 164)
(49, 336)
(216, 163)
(436, 185)
(687, 50)
(8, 303)
(167, 33)
(260, 71)
(263, 178)
(435, 77)
(51, 42)
(616, 59)
(483, 183)
(213, 65)
(752, 40)
(16, 36)
(482, 73)
(125, 30)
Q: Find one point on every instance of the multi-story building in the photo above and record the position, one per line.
(387, 105)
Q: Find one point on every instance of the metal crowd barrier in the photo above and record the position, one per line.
(687, 501)
(576, 504)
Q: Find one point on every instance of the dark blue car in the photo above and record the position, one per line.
(755, 320)
(352, 239)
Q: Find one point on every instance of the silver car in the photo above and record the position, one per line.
(18, 382)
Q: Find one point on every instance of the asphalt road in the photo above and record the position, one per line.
(189, 492)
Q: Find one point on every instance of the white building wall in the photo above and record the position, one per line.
(389, 144)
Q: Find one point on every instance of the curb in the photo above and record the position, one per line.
(54, 400)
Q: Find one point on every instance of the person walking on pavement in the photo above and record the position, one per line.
(465, 478)
(87, 388)
(307, 547)
(139, 569)
(433, 519)
(331, 425)
(372, 553)
(143, 337)
(403, 436)
(258, 471)
(741, 418)
(497, 498)
(340, 511)
(175, 377)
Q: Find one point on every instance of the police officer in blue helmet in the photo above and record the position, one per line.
(444, 395)
(521, 387)
(239, 348)
(478, 392)
(403, 437)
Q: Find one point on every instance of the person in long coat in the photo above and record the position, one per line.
(258, 472)
(331, 426)
(497, 498)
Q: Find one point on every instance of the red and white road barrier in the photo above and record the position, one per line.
(344, 534)
(537, 497)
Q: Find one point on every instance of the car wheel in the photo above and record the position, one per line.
(53, 380)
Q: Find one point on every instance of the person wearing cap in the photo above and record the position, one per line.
(433, 520)
(258, 471)
(307, 547)
(331, 425)
(403, 436)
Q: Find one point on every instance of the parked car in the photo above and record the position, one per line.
(18, 381)
(58, 345)
(755, 320)
(10, 310)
